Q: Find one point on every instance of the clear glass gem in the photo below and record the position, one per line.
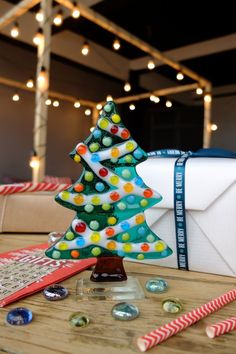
(172, 305)
(55, 292)
(78, 319)
(125, 311)
(19, 316)
(54, 236)
(156, 285)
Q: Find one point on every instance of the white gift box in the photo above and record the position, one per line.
(210, 204)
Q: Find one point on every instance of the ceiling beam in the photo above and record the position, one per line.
(108, 25)
(191, 51)
(17, 11)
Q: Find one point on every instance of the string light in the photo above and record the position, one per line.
(99, 106)
(34, 161)
(30, 83)
(127, 87)
(109, 98)
(87, 112)
(132, 107)
(55, 103)
(43, 80)
(207, 98)
(214, 127)
(85, 48)
(168, 104)
(151, 65)
(154, 99)
(199, 91)
(15, 31)
(75, 12)
(16, 97)
(116, 44)
(38, 37)
(58, 18)
(39, 16)
(92, 129)
(48, 102)
(77, 104)
(180, 76)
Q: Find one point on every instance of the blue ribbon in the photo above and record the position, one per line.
(179, 192)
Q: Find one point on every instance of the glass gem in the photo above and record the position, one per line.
(156, 285)
(88, 176)
(97, 133)
(108, 107)
(19, 316)
(88, 208)
(95, 158)
(131, 199)
(55, 292)
(78, 319)
(172, 305)
(94, 225)
(100, 186)
(54, 236)
(107, 141)
(125, 311)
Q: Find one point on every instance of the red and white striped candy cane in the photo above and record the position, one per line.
(222, 327)
(32, 187)
(162, 333)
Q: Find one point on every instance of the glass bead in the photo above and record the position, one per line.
(19, 316)
(130, 199)
(156, 285)
(125, 311)
(106, 206)
(88, 176)
(55, 292)
(100, 186)
(96, 251)
(97, 133)
(114, 129)
(126, 173)
(78, 319)
(54, 236)
(94, 225)
(115, 118)
(103, 172)
(138, 154)
(108, 107)
(80, 227)
(172, 305)
(107, 141)
(94, 147)
(88, 208)
(95, 158)
(121, 206)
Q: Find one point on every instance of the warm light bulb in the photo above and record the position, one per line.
(214, 127)
(39, 16)
(38, 37)
(30, 83)
(151, 65)
(85, 49)
(58, 18)
(92, 129)
(34, 161)
(99, 106)
(87, 112)
(127, 87)
(116, 44)
(48, 102)
(43, 80)
(132, 107)
(15, 97)
(75, 12)
(77, 104)
(15, 30)
(168, 104)
(154, 99)
(55, 103)
(199, 91)
(180, 76)
(207, 98)
(109, 98)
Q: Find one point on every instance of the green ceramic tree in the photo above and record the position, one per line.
(109, 199)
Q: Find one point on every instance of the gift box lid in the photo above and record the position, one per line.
(206, 179)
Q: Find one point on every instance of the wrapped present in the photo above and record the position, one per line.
(196, 216)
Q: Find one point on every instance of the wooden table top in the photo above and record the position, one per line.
(50, 331)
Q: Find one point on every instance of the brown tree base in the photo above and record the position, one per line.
(109, 269)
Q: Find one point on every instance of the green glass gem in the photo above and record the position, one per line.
(70, 235)
(140, 256)
(94, 225)
(96, 251)
(94, 147)
(88, 176)
(106, 206)
(114, 160)
(108, 108)
(172, 305)
(126, 173)
(124, 311)
(56, 254)
(88, 208)
(128, 158)
(156, 285)
(150, 238)
(143, 203)
(107, 141)
(78, 319)
(121, 206)
(125, 236)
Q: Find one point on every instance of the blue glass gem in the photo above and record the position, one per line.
(138, 154)
(55, 292)
(138, 181)
(80, 242)
(124, 311)
(78, 319)
(97, 133)
(125, 225)
(131, 199)
(141, 231)
(95, 158)
(156, 285)
(19, 316)
(99, 186)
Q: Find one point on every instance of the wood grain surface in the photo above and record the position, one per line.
(50, 331)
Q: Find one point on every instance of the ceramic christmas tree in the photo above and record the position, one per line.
(109, 199)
